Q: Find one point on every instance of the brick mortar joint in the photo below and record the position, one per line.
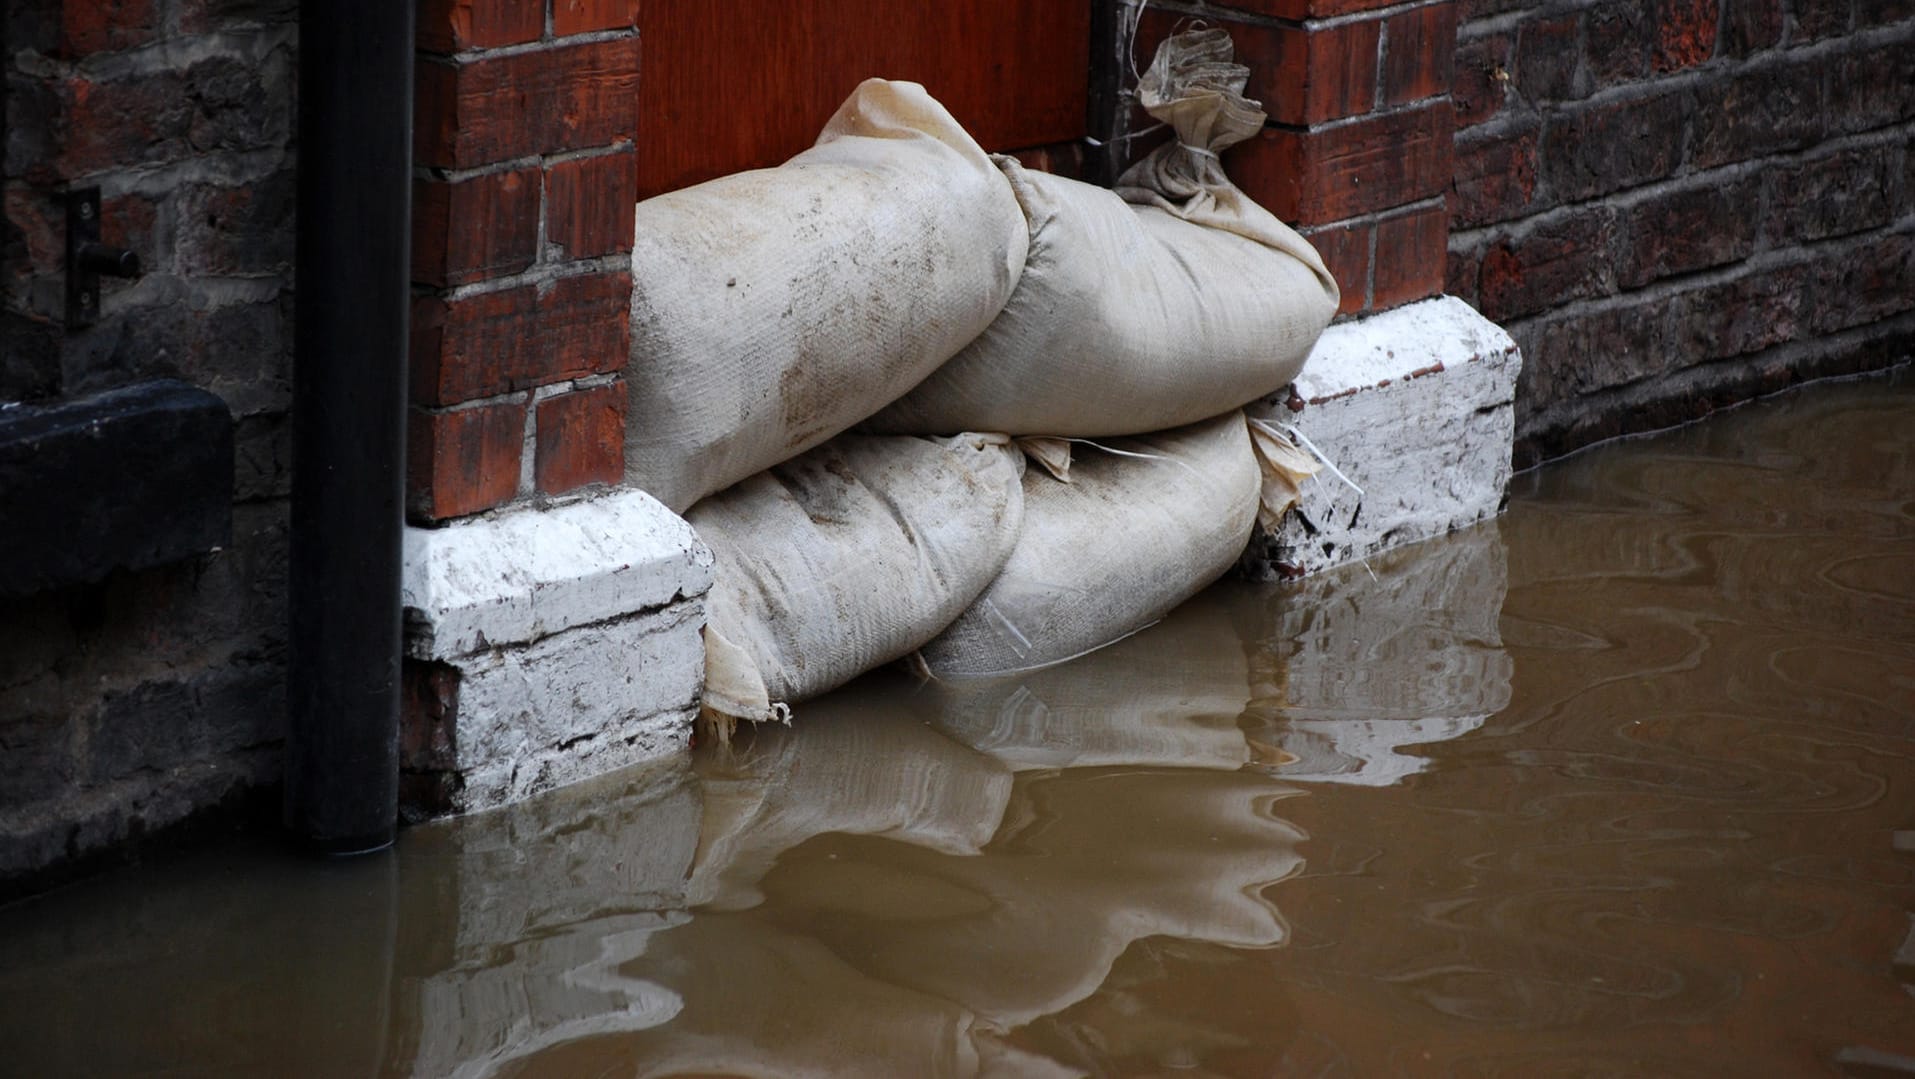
(549, 42)
(168, 55)
(529, 397)
(538, 274)
(440, 174)
(1309, 25)
(1423, 104)
(1807, 253)
(1565, 416)
(1377, 217)
(1682, 181)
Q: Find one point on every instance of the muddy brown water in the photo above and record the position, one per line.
(1621, 784)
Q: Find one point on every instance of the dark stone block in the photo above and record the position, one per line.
(130, 479)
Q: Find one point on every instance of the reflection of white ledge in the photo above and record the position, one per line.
(1414, 406)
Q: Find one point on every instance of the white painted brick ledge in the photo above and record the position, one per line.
(526, 573)
(1415, 407)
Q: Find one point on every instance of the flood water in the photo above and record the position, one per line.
(1620, 784)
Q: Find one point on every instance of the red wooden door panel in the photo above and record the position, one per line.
(726, 85)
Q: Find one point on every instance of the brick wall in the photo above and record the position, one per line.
(127, 704)
(1356, 152)
(526, 178)
(1674, 205)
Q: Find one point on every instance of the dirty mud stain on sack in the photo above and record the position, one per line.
(1623, 783)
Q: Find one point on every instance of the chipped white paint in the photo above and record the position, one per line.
(575, 631)
(1415, 407)
(523, 574)
(576, 704)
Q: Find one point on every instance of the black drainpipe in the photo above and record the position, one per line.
(352, 293)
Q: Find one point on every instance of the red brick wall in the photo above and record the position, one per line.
(1677, 204)
(1356, 153)
(522, 227)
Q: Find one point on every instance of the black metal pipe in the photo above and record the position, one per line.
(349, 398)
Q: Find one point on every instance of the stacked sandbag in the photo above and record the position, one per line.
(1172, 299)
(773, 309)
(1142, 524)
(848, 557)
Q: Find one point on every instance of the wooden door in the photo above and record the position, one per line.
(726, 85)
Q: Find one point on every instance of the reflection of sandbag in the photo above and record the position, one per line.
(1133, 534)
(846, 558)
(1034, 923)
(861, 767)
(1133, 318)
(1167, 696)
(760, 1000)
(775, 308)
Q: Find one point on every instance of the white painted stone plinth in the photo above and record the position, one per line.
(1413, 406)
(575, 635)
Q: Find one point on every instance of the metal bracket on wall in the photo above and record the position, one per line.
(87, 258)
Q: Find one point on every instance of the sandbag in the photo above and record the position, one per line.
(773, 309)
(845, 558)
(1172, 299)
(1142, 524)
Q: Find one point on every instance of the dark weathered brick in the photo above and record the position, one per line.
(37, 751)
(1346, 253)
(1812, 20)
(1689, 229)
(1757, 112)
(1420, 49)
(1869, 13)
(1750, 26)
(513, 339)
(237, 231)
(1480, 86)
(1582, 354)
(1547, 58)
(1873, 88)
(262, 457)
(29, 357)
(108, 26)
(1462, 273)
(462, 461)
(581, 439)
(567, 97)
(1685, 33)
(589, 204)
(1554, 261)
(1871, 281)
(152, 727)
(1754, 311)
(1411, 257)
(429, 709)
(1595, 149)
(1618, 42)
(1495, 176)
(1831, 195)
(482, 227)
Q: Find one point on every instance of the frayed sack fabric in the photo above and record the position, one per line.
(1172, 299)
(1141, 525)
(845, 558)
(773, 309)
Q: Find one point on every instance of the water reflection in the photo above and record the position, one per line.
(1615, 787)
